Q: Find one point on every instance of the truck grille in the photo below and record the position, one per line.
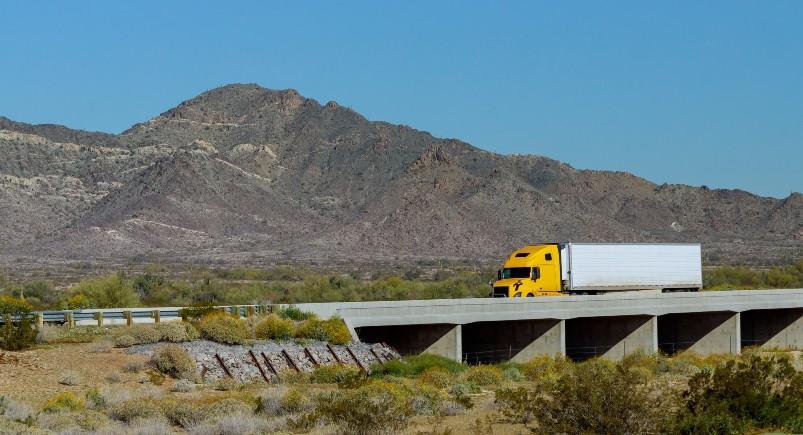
(501, 292)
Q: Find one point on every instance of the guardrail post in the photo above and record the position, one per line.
(249, 311)
(69, 319)
(157, 316)
(40, 320)
(99, 318)
(128, 318)
(235, 311)
(7, 320)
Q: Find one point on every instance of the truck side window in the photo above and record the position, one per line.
(548, 257)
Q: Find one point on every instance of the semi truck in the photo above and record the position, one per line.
(592, 268)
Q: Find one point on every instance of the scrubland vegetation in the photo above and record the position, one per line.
(428, 394)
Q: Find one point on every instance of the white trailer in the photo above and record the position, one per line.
(605, 267)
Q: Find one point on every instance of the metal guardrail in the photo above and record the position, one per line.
(112, 316)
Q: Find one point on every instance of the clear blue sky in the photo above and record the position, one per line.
(681, 92)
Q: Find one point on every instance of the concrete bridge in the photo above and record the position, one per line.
(611, 325)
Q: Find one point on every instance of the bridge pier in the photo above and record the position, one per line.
(702, 333)
(611, 337)
(515, 340)
(782, 329)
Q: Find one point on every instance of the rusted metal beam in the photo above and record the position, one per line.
(290, 360)
(256, 361)
(356, 360)
(376, 355)
(311, 357)
(270, 364)
(223, 365)
(334, 354)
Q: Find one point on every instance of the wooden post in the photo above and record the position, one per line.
(99, 318)
(129, 320)
(235, 310)
(40, 320)
(7, 320)
(157, 316)
(69, 319)
(249, 311)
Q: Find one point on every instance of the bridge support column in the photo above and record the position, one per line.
(701, 333)
(611, 337)
(450, 345)
(771, 329)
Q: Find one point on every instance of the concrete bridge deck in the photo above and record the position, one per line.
(611, 325)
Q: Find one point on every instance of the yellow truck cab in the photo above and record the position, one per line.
(530, 271)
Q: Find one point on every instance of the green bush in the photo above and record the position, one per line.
(483, 375)
(174, 361)
(124, 340)
(66, 401)
(142, 334)
(411, 366)
(222, 328)
(274, 327)
(312, 329)
(177, 332)
(335, 374)
(595, 396)
(135, 409)
(336, 331)
(23, 334)
(294, 313)
(107, 292)
(437, 377)
(377, 407)
(756, 393)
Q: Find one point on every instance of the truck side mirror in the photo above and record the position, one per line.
(536, 273)
(498, 275)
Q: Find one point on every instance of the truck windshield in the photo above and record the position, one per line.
(516, 272)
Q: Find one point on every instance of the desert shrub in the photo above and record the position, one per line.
(185, 414)
(377, 407)
(295, 401)
(50, 334)
(197, 311)
(16, 411)
(66, 401)
(94, 399)
(124, 340)
(547, 368)
(293, 377)
(596, 396)
(222, 328)
(451, 408)
(70, 378)
(436, 377)
(312, 329)
(513, 374)
(410, 366)
(103, 346)
(230, 406)
(23, 334)
(236, 424)
(294, 313)
(269, 401)
(176, 332)
(113, 291)
(483, 375)
(226, 384)
(335, 374)
(174, 361)
(742, 395)
(78, 302)
(143, 334)
(426, 400)
(135, 409)
(274, 327)
(183, 386)
(113, 378)
(461, 393)
(133, 366)
(336, 331)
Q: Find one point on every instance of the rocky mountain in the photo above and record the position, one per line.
(243, 173)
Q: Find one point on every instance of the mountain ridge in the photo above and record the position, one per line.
(243, 170)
